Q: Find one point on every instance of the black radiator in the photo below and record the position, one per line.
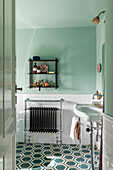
(43, 119)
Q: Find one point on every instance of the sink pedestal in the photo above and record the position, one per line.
(91, 114)
(92, 145)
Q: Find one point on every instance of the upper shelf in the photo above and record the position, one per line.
(42, 60)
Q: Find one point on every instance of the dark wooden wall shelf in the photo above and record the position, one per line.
(43, 73)
(31, 74)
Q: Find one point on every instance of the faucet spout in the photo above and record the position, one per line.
(94, 95)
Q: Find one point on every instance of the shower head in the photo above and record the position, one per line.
(96, 20)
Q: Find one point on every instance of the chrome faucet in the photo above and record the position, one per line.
(94, 95)
(99, 95)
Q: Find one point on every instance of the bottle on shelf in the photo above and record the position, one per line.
(38, 83)
(42, 83)
(38, 69)
(35, 68)
(35, 84)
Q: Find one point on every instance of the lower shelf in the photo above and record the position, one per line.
(43, 87)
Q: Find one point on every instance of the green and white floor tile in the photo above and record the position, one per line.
(32, 156)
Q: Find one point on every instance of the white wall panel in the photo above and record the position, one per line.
(108, 142)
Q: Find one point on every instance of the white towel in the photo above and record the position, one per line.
(75, 125)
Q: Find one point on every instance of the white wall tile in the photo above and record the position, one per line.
(108, 142)
(68, 113)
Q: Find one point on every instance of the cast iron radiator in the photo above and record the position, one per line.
(43, 119)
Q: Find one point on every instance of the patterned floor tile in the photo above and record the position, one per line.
(84, 166)
(30, 156)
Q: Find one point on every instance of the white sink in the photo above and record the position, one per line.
(88, 112)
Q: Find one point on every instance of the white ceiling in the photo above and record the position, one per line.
(57, 13)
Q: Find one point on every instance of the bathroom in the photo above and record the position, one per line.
(75, 45)
(72, 49)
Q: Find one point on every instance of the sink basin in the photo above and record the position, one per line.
(97, 104)
(88, 112)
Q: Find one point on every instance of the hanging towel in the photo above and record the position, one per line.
(78, 130)
(75, 125)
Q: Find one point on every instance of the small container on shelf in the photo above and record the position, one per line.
(35, 68)
(46, 84)
(51, 84)
(44, 68)
(35, 84)
(38, 69)
(38, 83)
(36, 58)
(51, 72)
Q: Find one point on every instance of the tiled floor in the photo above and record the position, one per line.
(32, 156)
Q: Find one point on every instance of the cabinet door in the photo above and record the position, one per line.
(7, 84)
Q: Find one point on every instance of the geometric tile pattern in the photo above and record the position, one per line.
(32, 156)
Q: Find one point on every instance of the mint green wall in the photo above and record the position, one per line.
(100, 40)
(103, 68)
(74, 47)
(109, 59)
